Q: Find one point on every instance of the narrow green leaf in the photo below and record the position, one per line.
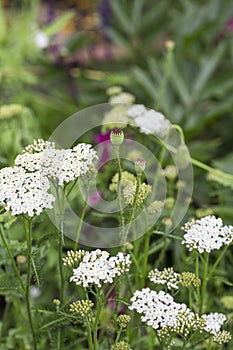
(209, 65)
(59, 23)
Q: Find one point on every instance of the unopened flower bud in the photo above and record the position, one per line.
(140, 165)
(170, 44)
(21, 259)
(117, 137)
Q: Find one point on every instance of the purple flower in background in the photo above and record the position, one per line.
(105, 155)
(105, 13)
(228, 29)
(99, 137)
(94, 198)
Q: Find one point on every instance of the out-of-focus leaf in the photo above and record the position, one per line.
(59, 23)
(145, 81)
(179, 85)
(122, 17)
(209, 64)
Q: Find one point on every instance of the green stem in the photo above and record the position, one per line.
(119, 187)
(81, 223)
(204, 282)
(27, 291)
(118, 335)
(89, 336)
(168, 66)
(97, 317)
(217, 262)
(125, 235)
(12, 259)
(197, 275)
(145, 255)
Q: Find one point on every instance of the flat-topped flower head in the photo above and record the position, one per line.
(97, 268)
(149, 121)
(214, 322)
(158, 309)
(207, 234)
(65, 165)
(24, 193)
(167, 277)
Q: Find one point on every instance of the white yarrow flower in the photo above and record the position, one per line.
(167, 277)
(24, 193)
(63, 164)
(97, 267)
(136, 111)
(214, 322)
(207, 234)
(149, 121)
(158, 309)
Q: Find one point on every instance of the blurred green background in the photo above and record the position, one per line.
(58, 57)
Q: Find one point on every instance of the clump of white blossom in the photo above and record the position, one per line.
(24, 193)
(161, 312)
(167, 277)
(98, 267)
(158, 309)
(148, 120)
(172, 279)
(207, 234)
(65, 165)
(214, 322)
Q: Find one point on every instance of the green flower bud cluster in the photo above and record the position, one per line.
(127, 179)
(188, 322)
(169, 202)
(123, 321)
(222, 337)
(189, 279)
(122, 345)
(130, 192)
(73, 257)
(81, 307)
(201, 213)
(170, 172)
(114, 90)
(172, 279)
(155, 207)
(10, 111)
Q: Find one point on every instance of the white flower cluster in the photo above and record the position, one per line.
(207, 234)
(24, 187)
(158, 309)
(97, 267)
(214, 322)
(168, 277)
(24, 193)
(148, 120)
(63, 164)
